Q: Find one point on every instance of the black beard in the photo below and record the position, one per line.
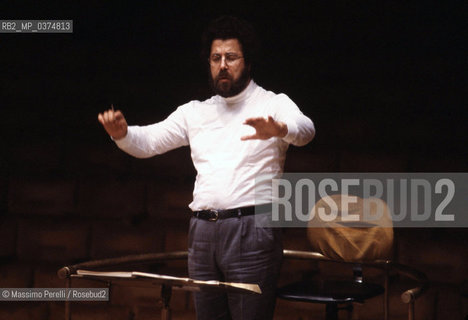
(231, 88)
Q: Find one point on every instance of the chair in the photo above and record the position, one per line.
(356, 246)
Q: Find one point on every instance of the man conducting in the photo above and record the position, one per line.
(236, 136)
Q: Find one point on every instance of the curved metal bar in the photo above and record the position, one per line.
(410, 295)
(305, 255)
(310, 255)
(66, 271)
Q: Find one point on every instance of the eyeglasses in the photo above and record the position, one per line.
(230, 59)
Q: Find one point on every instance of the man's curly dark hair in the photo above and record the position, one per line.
(229, 27)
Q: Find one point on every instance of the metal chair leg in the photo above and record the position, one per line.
(166, 293)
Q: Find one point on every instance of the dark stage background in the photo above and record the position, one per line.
(375, 77)
(384, 83)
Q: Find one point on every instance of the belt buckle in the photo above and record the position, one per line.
(216, 213)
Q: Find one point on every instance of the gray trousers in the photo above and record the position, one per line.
(235, 250)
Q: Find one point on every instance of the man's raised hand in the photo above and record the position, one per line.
(114, 122)
(266, 128)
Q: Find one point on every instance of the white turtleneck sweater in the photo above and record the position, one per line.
(229, 170)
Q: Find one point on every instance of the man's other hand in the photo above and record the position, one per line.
(266, 128)
(114, 122)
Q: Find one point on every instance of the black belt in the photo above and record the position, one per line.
(213, 215)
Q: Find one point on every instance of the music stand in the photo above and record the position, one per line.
(143, 279)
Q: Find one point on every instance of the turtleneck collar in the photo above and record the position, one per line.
(243, 95)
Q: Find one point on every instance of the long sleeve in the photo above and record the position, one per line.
(158, 138)
(228, 168)
(301, 129)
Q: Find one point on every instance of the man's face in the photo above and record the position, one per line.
(229, 75)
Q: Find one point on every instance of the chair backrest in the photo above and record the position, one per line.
(370, 238)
